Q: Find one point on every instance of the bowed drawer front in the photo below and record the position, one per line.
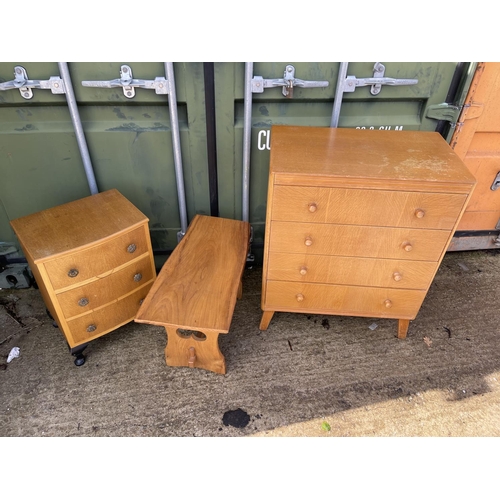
(93, 263)
(358, 221)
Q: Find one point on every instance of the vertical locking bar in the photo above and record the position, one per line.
(339, 92)
(247, 142)
(176, 141)
(77, 124)
(247, 136)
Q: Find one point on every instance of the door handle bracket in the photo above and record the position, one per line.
(128, 83)
(25, 86)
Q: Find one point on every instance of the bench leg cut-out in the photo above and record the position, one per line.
(191, 351)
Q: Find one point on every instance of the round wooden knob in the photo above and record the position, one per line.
(313, 207)
(303, 270)
(308, 241)
(419, 213)
(397, 276)
(408, 247)
(73, 273)
(299, 297)
(388, 303)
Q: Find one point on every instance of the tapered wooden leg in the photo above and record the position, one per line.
(267, 316)
(403, 325)
(194, 351)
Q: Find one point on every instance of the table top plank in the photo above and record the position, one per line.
(197, 286)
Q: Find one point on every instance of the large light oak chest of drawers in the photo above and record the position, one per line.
(92, 261)
(358, 221)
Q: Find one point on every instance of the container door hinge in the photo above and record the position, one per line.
(21, 82)
(452, 112)
(376, 82)
(496, 183)
(160, 85)
(444, 111)
(288, 82)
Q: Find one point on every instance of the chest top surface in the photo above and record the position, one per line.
(377, 155)
(76, 224)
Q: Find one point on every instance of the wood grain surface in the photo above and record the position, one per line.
(198, 285)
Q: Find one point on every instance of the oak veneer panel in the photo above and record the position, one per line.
(369, 183)
(107, 318)
(366, 154)
(191, 291)
(334, 269)
(101, 291)
(357, 241)
(112, 254)
(367, 207)
(101, 239)
(343, 299)
(357, 208)
(76, 224)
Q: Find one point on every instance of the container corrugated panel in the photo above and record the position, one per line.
(130, 140)
(394, 108)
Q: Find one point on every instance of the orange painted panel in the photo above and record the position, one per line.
(477, 141)
(479, 221)
(484, 199)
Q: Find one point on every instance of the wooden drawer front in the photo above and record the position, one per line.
(100, 292)
(366, 207)
(97, 260)
(357, 241)
(346, 300)
(351, 270)
(108, 318)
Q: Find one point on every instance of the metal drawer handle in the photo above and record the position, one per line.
(83, 302)
(131, 248)
(72, 273)
(91, 328)
(138, 277)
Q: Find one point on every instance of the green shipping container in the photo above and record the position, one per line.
(224, 115)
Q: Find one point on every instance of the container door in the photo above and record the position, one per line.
(401, 106)
(477, 141)
(129, 141)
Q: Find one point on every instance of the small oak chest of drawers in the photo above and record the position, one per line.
(92, 261)
(358, 221)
